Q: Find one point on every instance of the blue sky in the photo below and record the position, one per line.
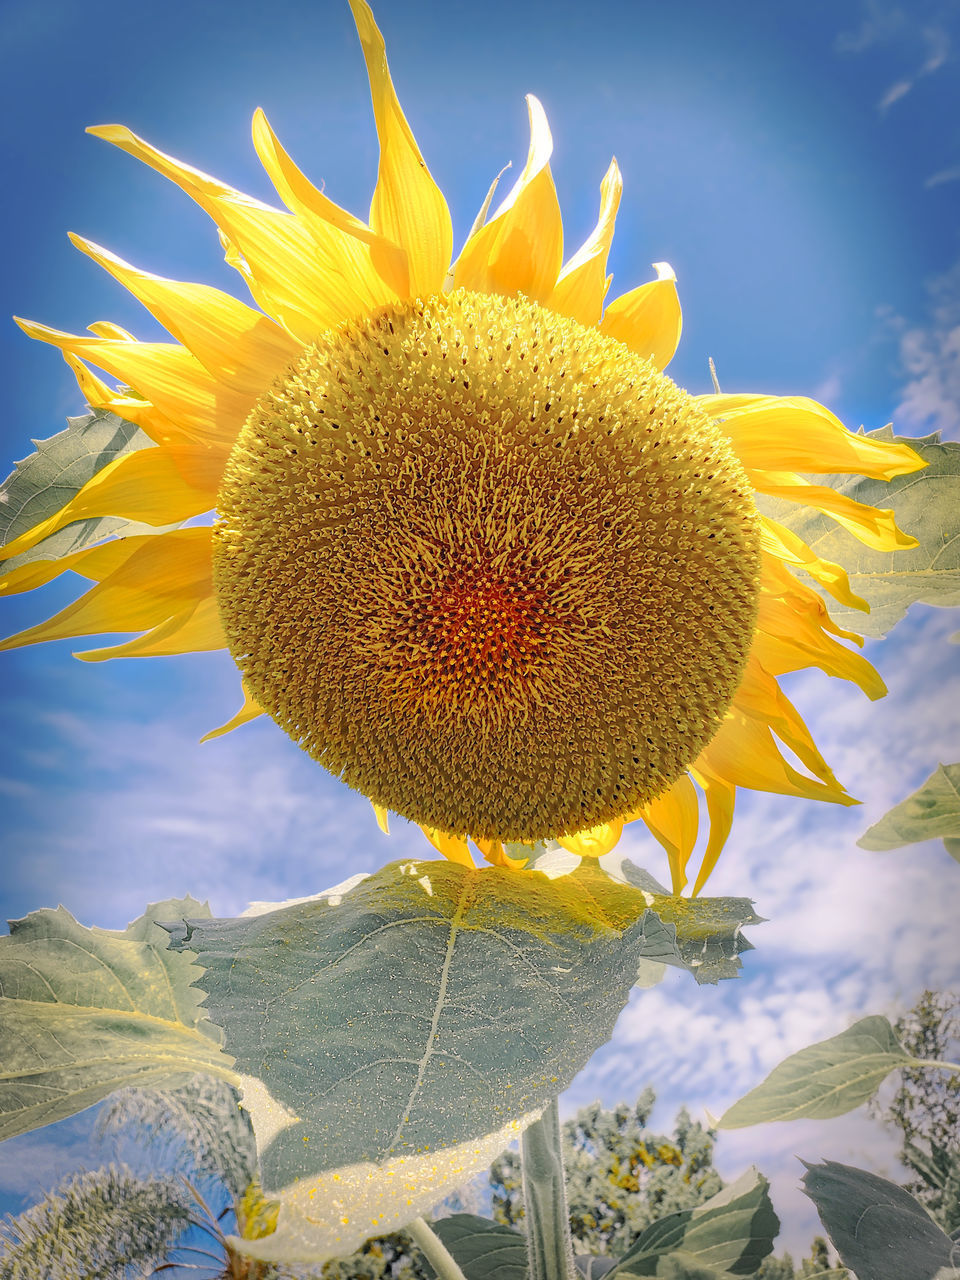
(799, 166)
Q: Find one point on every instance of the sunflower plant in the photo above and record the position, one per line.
(470, 546)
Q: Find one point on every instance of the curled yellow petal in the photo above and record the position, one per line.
(272, 250)
(520, 250)
(91, 562)
(582, 285)
(673, 819)
(777, 540)
(743, 753)
(164, 575)
(366, 269)
(382, 816)
(238, 346)
(453, 847)
(875, 527)
(408, 206)
(648, 319)
(249, 711)
(789, 638)
(166, 375)
(594, 842)
(494, 853)
(797, 434)
(194, 629)
(720, 796)
(144, 485)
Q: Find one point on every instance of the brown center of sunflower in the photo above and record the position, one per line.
(489, 567)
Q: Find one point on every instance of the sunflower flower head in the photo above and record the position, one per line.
(473, 549)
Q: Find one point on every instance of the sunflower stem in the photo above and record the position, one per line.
(549, 1245)
(434, 1250)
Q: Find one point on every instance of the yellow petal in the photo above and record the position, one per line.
(98, 395)
(383, 817)
(92, 562)
(274, 252)
(520, 250)
(720, 796)
(648, 319)
(593, 842)
(494, 853)
(718, 404)
(776, 580)
(760, 696)
(743, 753)
(408, 206)
(163, 576)
(582, 285)
(453, 847)
(779, 541)
(194, 629)
(144, 485)
(875, 527)
(797, 434)
(367, 270)
(673, 819)
(238, 346)
(168, 376)
(790, 639)
(249, 711)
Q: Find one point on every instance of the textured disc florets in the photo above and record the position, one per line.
(489, 567)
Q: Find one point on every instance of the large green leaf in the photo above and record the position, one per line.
(484, 1250)
(933, 810)
(86, 1011)
(731, 1233)
(879, 1230)
(926, 504)
(825, 1079)
(426, 1006)
(46, 480)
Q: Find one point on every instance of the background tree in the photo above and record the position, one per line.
(621, 1176)
(926, 1106)
(818, 1266)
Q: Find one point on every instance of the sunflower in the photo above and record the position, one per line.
(472, 548)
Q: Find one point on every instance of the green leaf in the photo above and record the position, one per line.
(86, 1011)
(484, 1250)
(933, 810)
(459, 1000)
(731, 1233)
(46, 480)
(825, 1079)
(702, 935)
(926, 504)
(593, 1268)
(879, 1230)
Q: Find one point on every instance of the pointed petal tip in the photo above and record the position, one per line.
(664, 271)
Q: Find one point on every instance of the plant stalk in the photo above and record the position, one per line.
(549, 1245)
(434, 1250)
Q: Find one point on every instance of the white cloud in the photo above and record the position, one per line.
(919, 35)
(930, 358)
(943, 176)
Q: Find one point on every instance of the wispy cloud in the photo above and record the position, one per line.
(942, 176)
(921, 35)
(930, 358)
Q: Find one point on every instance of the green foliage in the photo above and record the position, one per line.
(926, 1107)
(817, 1267)
(43, 482)
(731, 1233)
(86, 1011)
(484, 1250)
(405, 989)
(880, 1231)
(106, 1225)
(933, 810)
(825, 1079)
(926, 504)
(620, 1176)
